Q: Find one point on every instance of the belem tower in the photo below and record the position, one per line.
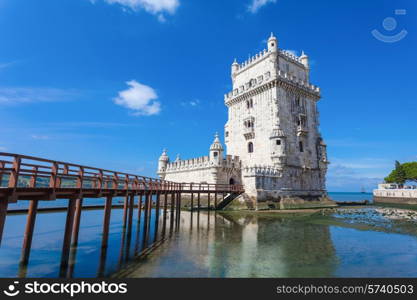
(273, 144)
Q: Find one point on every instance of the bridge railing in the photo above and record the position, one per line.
(21, 171)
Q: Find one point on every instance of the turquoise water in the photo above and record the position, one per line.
(343, 196)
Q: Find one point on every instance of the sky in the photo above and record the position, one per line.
(110, 83)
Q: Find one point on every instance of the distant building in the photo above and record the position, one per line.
(393, 193)
(274, 147)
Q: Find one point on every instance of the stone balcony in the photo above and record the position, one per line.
(249, 133)
(302, 130)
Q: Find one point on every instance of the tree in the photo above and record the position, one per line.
(402, 173)
(397, 175)
(410, 170)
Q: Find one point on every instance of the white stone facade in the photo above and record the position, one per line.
(273, 142)
(393, 190)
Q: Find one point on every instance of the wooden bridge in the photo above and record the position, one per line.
(37, 179)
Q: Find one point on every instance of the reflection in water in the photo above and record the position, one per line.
(233, 245)
(265, 245)
(209, 244)
(87, 258)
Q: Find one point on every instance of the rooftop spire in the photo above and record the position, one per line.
(217, 145)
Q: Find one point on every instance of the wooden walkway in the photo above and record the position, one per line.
(37, 179)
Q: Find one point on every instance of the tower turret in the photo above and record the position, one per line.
(272, 43)
(162, 163)
(278, 144)
(304, 60)
(216, 151)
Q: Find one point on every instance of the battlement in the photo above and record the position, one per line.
(253, 60)
(231, 161)
(263, 79)
(202, 162)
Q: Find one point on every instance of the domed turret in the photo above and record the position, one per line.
(216, 151)
(272, 43)
(235, 66)
(304, 59)
(278, 145)
(163, 162)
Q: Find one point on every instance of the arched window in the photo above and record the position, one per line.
(250, 147)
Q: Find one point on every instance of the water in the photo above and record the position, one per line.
(237, 244)
(267, 245)
(350, 197)
(47, 242)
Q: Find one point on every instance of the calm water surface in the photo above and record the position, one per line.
(220, 245)
(266, 245)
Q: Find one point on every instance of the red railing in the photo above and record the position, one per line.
(31, 178)
(21, 171)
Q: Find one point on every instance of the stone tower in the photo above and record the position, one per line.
(273, 126)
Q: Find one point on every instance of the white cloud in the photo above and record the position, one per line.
(155, 7)
(140, 98)
(16, 95)
(193, 103)
(39, 137)
(257, 4)
(352, 174)
(2, 148)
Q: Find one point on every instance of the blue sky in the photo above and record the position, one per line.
(109, 83)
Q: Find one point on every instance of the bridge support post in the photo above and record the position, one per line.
(172, 211)
(215, 200)
(156, 217)
(3, 213)
(146, 220)
(208, 201)
(105, 236)
(77, 221)
(164, 224)
(129, 226)
(125, 207)
(69, 223)
(138, 231)
(139, 207)
(75, 232)
(130, 216)
(27, 240)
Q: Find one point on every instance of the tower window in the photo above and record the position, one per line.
(278, 142)
(250, 147)
(227, 133)
(300, 144)
(215, 154)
